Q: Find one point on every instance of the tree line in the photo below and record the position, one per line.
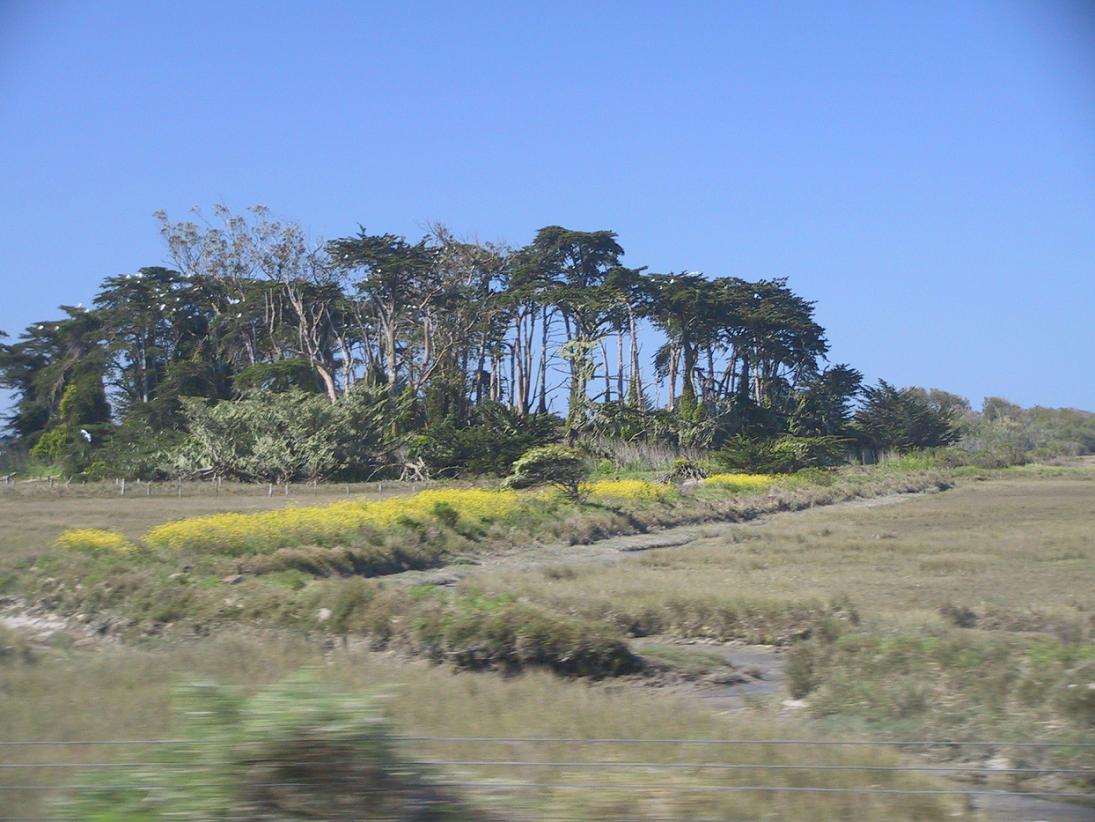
(257, 352)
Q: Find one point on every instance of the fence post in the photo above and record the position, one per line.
(123, 486)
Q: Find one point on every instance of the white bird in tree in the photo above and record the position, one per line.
(85, 434)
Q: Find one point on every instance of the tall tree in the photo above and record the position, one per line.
(576, 263)
(394, 281)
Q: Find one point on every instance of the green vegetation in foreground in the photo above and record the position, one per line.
(126, 692)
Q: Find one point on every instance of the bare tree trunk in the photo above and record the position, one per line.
(512, 378)
(328, 382)
(636, 371)
(523, 359)
(620, 364)
(674, 354)
(608, 375)
(709, 382)
(392, 363)
(544, 331)
(482, 363)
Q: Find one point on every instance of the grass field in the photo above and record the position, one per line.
(961, 615)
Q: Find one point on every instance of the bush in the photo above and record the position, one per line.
(135, 450)
(489, 444)
(905, 419)
(550, 465)
(685, 470)
(781, 455)
(295, 750)
(290, 435)
(478, 632)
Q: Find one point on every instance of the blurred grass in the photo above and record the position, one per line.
(126, 693)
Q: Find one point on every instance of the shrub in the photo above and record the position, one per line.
(295, 750)
(52, 445)
(781, 455)
(550, 465)
(901, 420)
(95, 541)
(134, 450)
(479, 632)
(281, 436)
(491, 441)
(684, 470)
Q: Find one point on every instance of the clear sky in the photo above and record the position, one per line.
(925, 171)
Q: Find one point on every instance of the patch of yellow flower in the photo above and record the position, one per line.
(230, 533)
(94, 541)
(626, 489)
(747, 483)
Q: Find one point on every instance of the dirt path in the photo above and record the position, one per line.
(611, 549)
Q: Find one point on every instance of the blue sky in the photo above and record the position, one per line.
(925, 171)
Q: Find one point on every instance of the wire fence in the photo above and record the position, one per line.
(12, 486)
(559, 766)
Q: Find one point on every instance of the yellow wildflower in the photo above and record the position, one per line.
(327, 524)
(626, 489)
(746, 483)
(94, 541)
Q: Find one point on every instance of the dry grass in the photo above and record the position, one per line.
(1011, 558)
(1020, 545)
(31, 522)
(126, 693)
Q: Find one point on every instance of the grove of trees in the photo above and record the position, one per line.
(260, 355)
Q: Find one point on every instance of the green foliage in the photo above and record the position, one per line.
(297, 749)
(625, 422)
(901, 420)
(781, 455)
(84, 402)
(684, 470)
(550, 465)
(976, 679)
(494, 437)
(285, 436)
(52, 445)
(479, 632)
(822, 408)
(280, 375)
(460, 339)
(1015, 433)
(135, 450)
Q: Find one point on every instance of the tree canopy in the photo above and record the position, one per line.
(456, 343)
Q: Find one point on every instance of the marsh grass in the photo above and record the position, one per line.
(852, 591)
(128, 693)
(571, 626)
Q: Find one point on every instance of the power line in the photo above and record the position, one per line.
(940, 743)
